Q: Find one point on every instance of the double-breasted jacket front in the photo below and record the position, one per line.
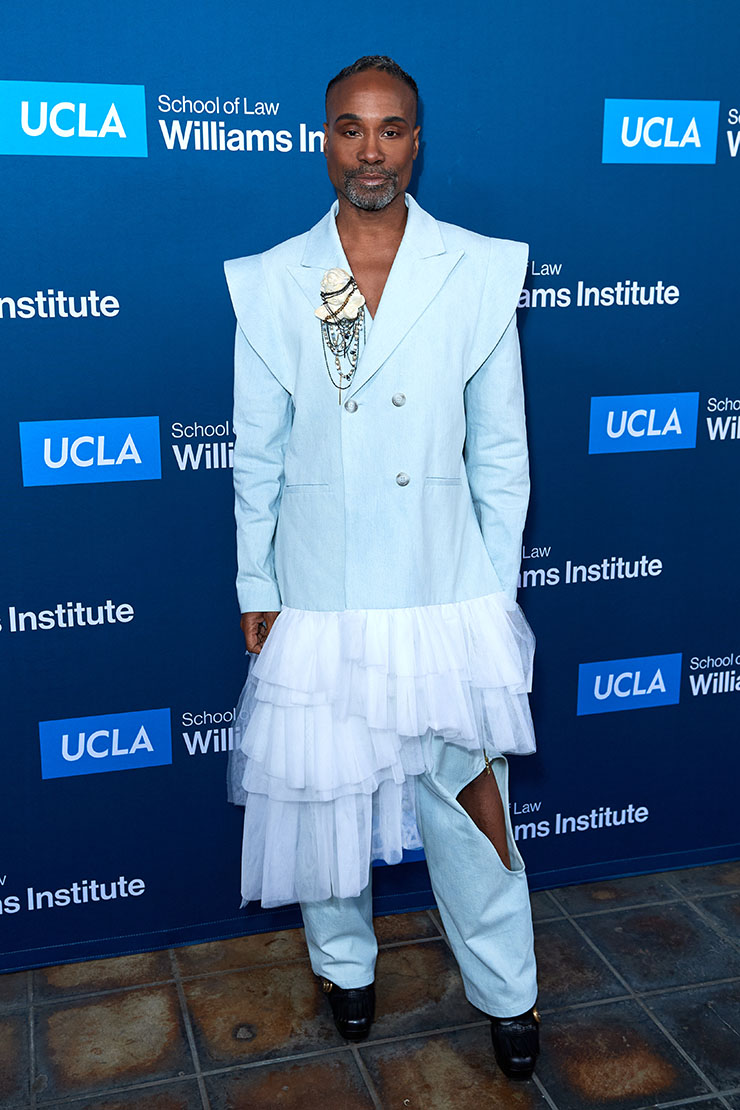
(413, 490)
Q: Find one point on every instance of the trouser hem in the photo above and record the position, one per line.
(490, 1008)
(344, 985)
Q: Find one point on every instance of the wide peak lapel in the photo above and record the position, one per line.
(420, 269)
(323, 251)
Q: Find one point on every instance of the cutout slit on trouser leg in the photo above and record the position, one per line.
(484, 905)
(481, 801)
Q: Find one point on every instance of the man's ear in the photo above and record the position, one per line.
(417, 132)
(326, 136)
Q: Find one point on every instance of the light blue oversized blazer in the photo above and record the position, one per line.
(325, 518)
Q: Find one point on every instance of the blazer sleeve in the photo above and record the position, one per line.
(263, 417)
(496, 455)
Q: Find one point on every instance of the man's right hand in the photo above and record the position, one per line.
(256, 627)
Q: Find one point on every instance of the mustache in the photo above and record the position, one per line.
(351, 175)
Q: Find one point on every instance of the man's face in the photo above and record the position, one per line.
(371, 138)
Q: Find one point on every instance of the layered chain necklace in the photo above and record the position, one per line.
(342, 315)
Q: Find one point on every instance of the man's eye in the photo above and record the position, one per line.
(390, 134)
(351, 133)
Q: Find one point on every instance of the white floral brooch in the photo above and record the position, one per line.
(342, 316)
(340, 297)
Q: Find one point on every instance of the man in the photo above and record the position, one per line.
(381, 481)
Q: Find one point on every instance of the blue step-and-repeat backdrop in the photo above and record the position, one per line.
(140, 146)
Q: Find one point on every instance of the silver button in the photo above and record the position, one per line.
(351, 406)
(402, 479)
(398, 399)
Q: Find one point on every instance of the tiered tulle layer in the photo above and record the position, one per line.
(329, 731)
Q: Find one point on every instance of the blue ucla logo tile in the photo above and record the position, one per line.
(61, 117)
(639, 683)
(660, 131)
(73, 452)
(643, 422)
(114, 742)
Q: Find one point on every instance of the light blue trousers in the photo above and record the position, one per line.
(484, 906)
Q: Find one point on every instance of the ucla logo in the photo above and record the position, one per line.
(54, 117)
(643, 422)
(71, 452)
(628, 683)
(660, 131)
(116, 742)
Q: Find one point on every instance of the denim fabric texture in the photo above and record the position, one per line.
(484, 906)
(323, 521)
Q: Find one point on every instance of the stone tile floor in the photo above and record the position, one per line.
(639, 993)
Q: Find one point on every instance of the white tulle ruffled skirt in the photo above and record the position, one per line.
(329, 727)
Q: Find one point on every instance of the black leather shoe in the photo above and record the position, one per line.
(516, 1043)
(353, 1008)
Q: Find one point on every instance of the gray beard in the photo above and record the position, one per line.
(370, 198)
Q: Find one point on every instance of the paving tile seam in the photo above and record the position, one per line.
(119, 1089)
(631, 992)
(31, 1055)
(669, 1036)
(687, 895)
(717, 926)
(686, 987)
(569, 1007)
(695, 1100)
(435, 923)
(296, 962)
(696, 894)
(366, 1078)
(624, 909)
(187, 976)
(406, 943)
(264, 1062)
(544, 1091)
(654, 992)
(245, 967)
(203, 1093)
(446, 939)
(248, 1065)
(689, 1101)
(710, 894)
(43, 1003)
(416, 1034)
(189, 1030)
(645, 1008)
(593, 945)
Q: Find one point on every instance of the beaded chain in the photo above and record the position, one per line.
(342, 337)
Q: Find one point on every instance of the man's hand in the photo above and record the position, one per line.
(256, 627)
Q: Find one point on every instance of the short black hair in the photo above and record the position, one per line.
(375, 61)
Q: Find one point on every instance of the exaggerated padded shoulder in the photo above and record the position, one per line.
(497, 268)
(251, 286)
(505, 274)
(502, 266)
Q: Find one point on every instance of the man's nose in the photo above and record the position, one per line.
(370, 150)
